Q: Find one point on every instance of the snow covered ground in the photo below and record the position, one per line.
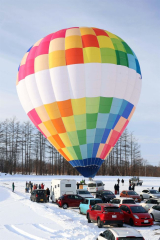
(22, 219)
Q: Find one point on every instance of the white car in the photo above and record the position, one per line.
(150, 203)
(84, 193)
(95, 185)
(122, 200)
(155, 212)
(120, 233)
(149, 193)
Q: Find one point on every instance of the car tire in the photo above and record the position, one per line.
(88, 217)
(65, 206)
(141, 197)
(152, 217)
(120, 225)
(99, 223)
(80, 211)
(131, 222)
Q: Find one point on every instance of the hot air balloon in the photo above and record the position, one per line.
(80, 87)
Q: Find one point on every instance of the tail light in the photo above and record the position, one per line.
(46, 195)
(117, 238)
(36, 195)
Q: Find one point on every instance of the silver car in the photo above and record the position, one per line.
(150, 203)
(155, 212)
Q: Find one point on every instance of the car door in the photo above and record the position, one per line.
(86, 206)
(126, 214)
(156, 212)
(77, 201)
(124, 194)
(93, 213)
(147, 205)
(70, 200)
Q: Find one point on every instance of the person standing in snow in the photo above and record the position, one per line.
(13, 186)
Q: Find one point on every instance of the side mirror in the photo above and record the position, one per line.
(101, 234)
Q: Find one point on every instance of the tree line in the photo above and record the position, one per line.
(23, 149)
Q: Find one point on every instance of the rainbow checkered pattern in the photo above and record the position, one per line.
(80, 87)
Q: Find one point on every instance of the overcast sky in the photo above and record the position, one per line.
(22, 23)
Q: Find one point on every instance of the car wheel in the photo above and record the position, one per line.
(152, 217)
(141, 197)
(120, 225)
(99, 223)
(65, 206)
(88, 217)
(131, 222)
(80, 211)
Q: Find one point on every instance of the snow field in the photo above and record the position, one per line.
(22, 219)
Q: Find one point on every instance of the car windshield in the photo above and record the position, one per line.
(93, 202)
(107, 193)
(129, 201)
(138, 209)
(130, 238)
(112, 209)
(91, 185)
(132, 193)
(40, 192)
(84, 192)
(154, 192)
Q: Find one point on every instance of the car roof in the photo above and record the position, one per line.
(123, 232)
(106, 204)
(131, 205)
(123, 198)
(104, 191)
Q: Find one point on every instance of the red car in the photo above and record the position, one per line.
(135, 214)
(104, 214)
(69, 200)
(130, 194)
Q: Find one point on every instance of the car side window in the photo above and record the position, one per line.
(98, 207)
(124, 192)
(122, 208)
(154, 201)
(127, 209)
(95, 207)
(149, 201)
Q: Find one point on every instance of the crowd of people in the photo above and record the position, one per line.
(117, 186)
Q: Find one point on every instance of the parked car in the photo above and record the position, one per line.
(104, 214)
(136, 215)
(105, 195)
(120, 234)
(149, 193)
(150, 203)
(136, 181)
(122, 200)
(95, 185)
(84, 193)
(87, 204)
(69, 200)
(130, 194)
(155, 212)
(38, 196)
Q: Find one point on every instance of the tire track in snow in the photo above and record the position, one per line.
(20, 232)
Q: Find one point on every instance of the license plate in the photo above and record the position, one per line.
(145, 221)
(114, 216)
(41, 200)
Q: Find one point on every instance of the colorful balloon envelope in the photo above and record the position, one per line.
(80, 87)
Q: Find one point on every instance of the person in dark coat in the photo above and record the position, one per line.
(117, 188)
(13, 187)
(39, 186)
(118, 180)
(122, 182)
(48, 194)
(133, 186)
(130, 188)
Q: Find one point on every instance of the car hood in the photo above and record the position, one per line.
(142, 215)
(109, 196)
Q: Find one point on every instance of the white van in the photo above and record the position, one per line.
(95, 185)
(60, 187)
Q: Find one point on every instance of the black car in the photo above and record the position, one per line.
(105, 195)
(38, 196)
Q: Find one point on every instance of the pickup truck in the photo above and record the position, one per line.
(136, 181)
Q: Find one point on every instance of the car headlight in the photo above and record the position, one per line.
(136, 216)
